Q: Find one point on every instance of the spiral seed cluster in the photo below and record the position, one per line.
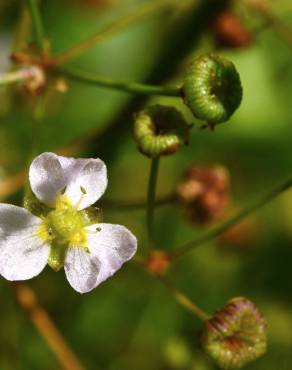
(160, 130)
(212, 88)
(236, 334)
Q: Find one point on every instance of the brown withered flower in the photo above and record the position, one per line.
(230, 32)
(204, 192)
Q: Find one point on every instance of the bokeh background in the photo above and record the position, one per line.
(131, 321)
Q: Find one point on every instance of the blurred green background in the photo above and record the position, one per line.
(131, 321)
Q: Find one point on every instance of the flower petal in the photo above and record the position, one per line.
(82, 269)
(46, 177)
(22, 254)
(109, 249)
(84, 180)
(87, 175)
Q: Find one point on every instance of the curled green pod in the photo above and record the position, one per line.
(212, 88)
(160, 130)
(236, 334)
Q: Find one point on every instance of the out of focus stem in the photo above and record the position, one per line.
(37, 118)
(111, 29)
(37, 24)
(130, 87)
(151, 197)
(183, 300)
(218, 230)
(136, 204)
(46, 327)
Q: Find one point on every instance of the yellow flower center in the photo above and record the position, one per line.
(63, 227)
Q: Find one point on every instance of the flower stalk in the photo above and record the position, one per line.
(37, 24)
(110, 30)
(183, 300)
(136, 204)
(151, 196)
(221, 228)
(129, 87)
(46, 327)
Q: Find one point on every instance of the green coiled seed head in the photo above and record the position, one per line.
(160, 130)
(212, 89)
(236, 334)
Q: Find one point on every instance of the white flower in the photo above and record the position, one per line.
(62, 235)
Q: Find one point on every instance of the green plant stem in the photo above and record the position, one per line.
(29, 302)
(218, 230)
(37, 24)
(151, 196)
(183, 300)
(22, 29)
(111, 29)
(129, 87)
(37, 117)
(136, 204)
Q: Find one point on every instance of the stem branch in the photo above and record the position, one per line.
(135, 204)
(44, 324)
(151, 196)
(221, 228)
(130, 87)
(37, 24)
(118, 25)
(183, 300)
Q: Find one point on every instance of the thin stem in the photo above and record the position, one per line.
(37, 24)
(37, 117)
(183, 300)
(111, 29)
(22, 29)
(136, 204)
(218, 230)
(46, 327)
(130, 87)
(151, 196)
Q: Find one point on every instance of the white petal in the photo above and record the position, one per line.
(50, 173)
(109, 249)
(82, 269)
(46, 177)
(22, 254)
(87, 174)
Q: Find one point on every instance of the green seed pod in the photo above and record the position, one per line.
(212, 89)
(160, 130)
(236, 334)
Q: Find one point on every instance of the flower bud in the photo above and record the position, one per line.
(160, 130)
(204, 192)
(236, 334)
(212, 89)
